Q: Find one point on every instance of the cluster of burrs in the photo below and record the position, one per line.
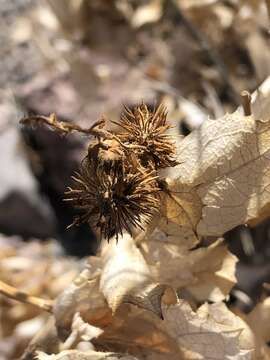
(117, 186)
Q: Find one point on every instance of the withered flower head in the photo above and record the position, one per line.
(113, 200)
(107, 154)
(147, 129)
(117, 187)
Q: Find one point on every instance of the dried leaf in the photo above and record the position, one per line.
(139, 331)
(189, 4)
(81, 296)
(126, 277)
(180, 213)
(260, 103)
(214, 271)
(213, 332)
(148, 13)
(259, 52)
(221, 180)
(207, 273)
(259, 320)
(226, 163)
(45, 339)
(80, 331)
(83, 355)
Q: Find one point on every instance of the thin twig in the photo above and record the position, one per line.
(95, 130)
(21, 296)
(205, 45)
(268, 7)
(62, 126)
(246, 102)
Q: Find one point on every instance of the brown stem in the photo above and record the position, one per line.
(246, 102)
(204, 43)
(268, 7)
(95, 130)
(21, 296)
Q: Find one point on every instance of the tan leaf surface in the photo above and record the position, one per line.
(83, 355)
(180, 213)
(148, 13)
(260, 103)
(82, 296)
(127, 278)
(226, 162)
(140, 332)
(45, 339)
(214, 271)
(208, 273)
(80, 331)
(187, 4)
(259, 320)
(213, 332)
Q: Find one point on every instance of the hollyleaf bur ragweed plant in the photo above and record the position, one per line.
(129, 297)
(117, 186)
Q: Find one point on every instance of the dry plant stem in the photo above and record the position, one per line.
(21, 296)
(209, 50)
(65, 127)
(267, 2)
(62, 126)
(246, 102)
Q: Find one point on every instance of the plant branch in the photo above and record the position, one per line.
(21, 296)
(202, 40)
(246, 102)
(267, 2)
(95, 130)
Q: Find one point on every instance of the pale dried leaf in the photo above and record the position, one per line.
(214, 271)
(80, 355)
(86, 331)
(193, 114)
(82, 296)
(80, 331)
(139, 331)
(259, 320)
(260, 104)
(46, 339)
(68, 14)
(208, 273)
(126, 277)
(180, 212)
(213, 332)
(189, 4)
(147, 13)
(226, 162)
(260, 55)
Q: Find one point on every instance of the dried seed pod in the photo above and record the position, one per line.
(146, 132)
(112, 199)
(117, 187)
(107, 154)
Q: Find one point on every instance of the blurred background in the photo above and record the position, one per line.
(82, 59)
